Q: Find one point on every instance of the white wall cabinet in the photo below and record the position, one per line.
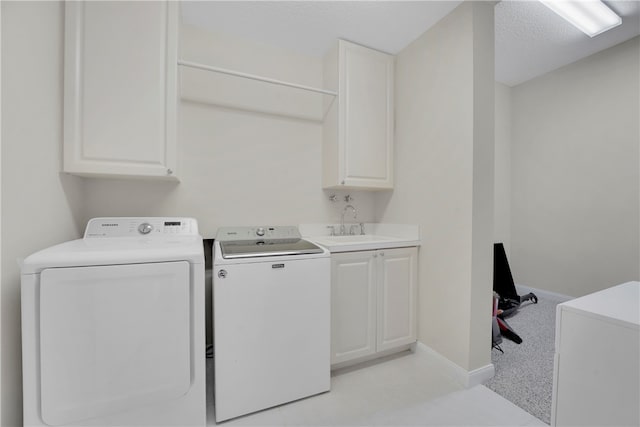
(120, 95)
(596, 376)
(358, 127)
(373, 302)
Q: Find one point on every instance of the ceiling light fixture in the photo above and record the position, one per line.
(590, 16)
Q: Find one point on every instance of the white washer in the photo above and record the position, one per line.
(113, 327)
(271, 298)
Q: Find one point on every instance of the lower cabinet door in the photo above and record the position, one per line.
(353, 305)
(396, 294)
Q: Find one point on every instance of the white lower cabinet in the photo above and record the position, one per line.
(373, 302)
(353, 305)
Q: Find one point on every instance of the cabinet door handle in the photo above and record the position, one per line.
(381, 253)
(375, 255)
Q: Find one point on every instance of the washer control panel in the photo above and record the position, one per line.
(265, 232)
(140, 226)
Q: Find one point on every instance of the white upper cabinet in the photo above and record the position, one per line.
(358, 128)
(120, 95)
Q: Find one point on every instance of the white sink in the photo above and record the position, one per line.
(360, 242)
(357, 238)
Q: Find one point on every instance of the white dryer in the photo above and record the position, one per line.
(113, 327)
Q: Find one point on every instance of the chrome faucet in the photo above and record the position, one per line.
(344, 211)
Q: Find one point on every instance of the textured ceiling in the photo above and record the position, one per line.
(310, 27)
(530, 39)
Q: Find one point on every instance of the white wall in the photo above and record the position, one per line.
(444, 142)
(502, 213)
(575, 189)
(39, 206)
(239, 167)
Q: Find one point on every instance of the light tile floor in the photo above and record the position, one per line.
(407, 390)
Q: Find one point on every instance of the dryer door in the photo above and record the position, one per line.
(113, 338)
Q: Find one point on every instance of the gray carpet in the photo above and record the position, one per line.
(524, 373)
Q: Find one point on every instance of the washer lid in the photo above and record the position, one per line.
(263, 241)
(263, 248)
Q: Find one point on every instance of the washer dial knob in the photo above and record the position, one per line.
(260, 231)
(145, 228)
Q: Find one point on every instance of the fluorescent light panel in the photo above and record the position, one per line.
(590, 16)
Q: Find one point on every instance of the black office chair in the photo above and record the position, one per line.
(509, 301)
(503, 283)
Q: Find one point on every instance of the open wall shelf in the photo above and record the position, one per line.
(237, 90)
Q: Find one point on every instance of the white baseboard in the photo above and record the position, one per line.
(553, 296)
(460, 375)
(480, 375)
(372, 358)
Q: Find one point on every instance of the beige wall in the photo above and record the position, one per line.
(39, 206)
(263, 166)
(441, 148)
(502, 213)
(0, 218)
(239, 166)
(575, 188)
(482, 216)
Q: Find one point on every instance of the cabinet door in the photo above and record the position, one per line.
(397, 285)
(353, 305)
(120, 95)
(366, 116)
